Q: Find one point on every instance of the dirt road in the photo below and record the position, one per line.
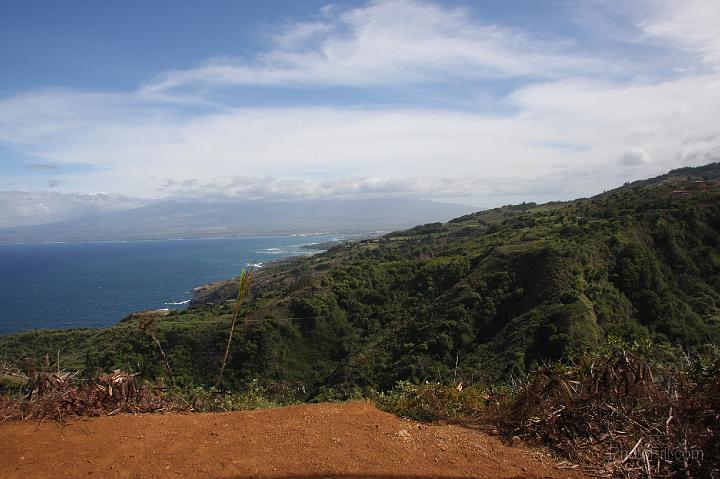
(351, 440)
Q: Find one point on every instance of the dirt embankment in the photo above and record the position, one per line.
(351, 440)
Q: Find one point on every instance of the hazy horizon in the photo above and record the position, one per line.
(465, 102)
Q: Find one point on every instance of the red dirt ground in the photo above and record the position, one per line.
(351, 440)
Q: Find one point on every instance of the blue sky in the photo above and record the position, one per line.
(480, 102)
(114, 45)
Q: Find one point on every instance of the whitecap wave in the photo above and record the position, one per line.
(178, 303)
(273, 251)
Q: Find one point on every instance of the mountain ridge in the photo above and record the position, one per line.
(204, 219)
(487, 296)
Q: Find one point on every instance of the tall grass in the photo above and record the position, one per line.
(243, 289)
(148, 325)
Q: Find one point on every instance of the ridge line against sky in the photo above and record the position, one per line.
(476, 102)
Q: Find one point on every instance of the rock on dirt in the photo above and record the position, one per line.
(350, 440)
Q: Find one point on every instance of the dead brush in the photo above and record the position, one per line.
(612, 416)
(57, 395)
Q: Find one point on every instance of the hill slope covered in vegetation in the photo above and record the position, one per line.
(482, 297)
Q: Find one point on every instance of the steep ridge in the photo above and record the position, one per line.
(485, 296)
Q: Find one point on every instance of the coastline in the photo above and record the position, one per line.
(94, 284)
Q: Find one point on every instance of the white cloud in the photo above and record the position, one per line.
(391, 42)
(136, 154)
(269, 188)
(562, 136)
(136, 146)
(634, 156)
(668, 118)
(693, 25)
(281, 142)
(699, 149)
(23, 208)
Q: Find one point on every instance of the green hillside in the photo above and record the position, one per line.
(483, 297)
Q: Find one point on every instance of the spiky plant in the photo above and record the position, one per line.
(243, 288)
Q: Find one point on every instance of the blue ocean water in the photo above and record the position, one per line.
(97, 283)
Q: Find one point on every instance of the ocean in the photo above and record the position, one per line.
(95, 284)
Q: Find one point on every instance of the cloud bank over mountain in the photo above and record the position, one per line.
(21, 208)
(407, 97)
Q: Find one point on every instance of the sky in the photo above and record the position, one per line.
(479, 102)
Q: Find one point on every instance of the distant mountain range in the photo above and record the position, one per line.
(25, 208)
(179, 219)
(485, 297)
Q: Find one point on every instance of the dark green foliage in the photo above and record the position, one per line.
(497, 291)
